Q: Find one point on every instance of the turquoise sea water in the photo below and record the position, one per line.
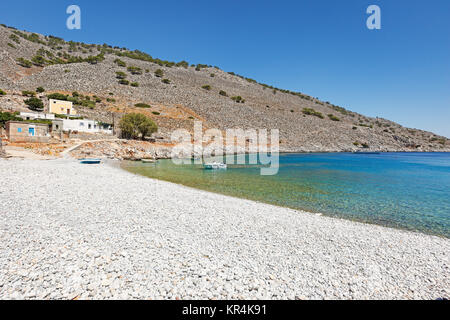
(404, 190)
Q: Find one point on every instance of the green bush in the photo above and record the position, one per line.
(120, 75)
(124, 82)
(28, 93)
(365, 145)
(38, 61)
(223, 93)
(57, 96)
(135, 84)
(183, 64)
(166, 81)
(312, 112)
(24, 62)
(2, 93)
(159, 73)
(238, 99)
(7, 116)
(40, 90)
(156, 113)
(212, 75)
(333, 117)
(11, 45)
(94, 59)
(142, 105)
(136, 125)
(34, 104)
(89, 104)
(14, 38)
(74, 100)
(134, 70)
(120, 63)
(206, 87)
(111, 100)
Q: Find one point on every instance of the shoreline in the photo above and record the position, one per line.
(336, 215)
(240, 249)
(299, 210)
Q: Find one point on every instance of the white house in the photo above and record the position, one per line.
(34, 116)
(88, 126)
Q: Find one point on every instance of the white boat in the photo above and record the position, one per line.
(215, 166)
(148, 160)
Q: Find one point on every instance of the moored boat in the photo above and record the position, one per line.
(90, 161)
(215, 166)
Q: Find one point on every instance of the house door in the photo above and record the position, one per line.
(31, 131)
(68, 111)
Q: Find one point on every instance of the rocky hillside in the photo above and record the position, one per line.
(176, 93)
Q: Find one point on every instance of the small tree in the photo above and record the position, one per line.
(40, 90)
(159, 73)
(136, 125)
(7, 116)
(34, 104)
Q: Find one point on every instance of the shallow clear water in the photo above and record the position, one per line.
(404, 190)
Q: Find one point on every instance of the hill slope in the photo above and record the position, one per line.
(190, 92)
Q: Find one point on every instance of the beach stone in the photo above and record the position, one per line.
(110, 234)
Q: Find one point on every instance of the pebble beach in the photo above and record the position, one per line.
(71, 231)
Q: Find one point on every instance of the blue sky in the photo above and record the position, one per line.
(322, 48)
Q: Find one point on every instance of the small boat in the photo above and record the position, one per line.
(90, 161)
(148, 161)
(215, 166)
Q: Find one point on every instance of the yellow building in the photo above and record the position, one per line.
(61, 107)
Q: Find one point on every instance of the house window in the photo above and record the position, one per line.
(56, 127)
(81, 124)
(89, 126)
(19, 130)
